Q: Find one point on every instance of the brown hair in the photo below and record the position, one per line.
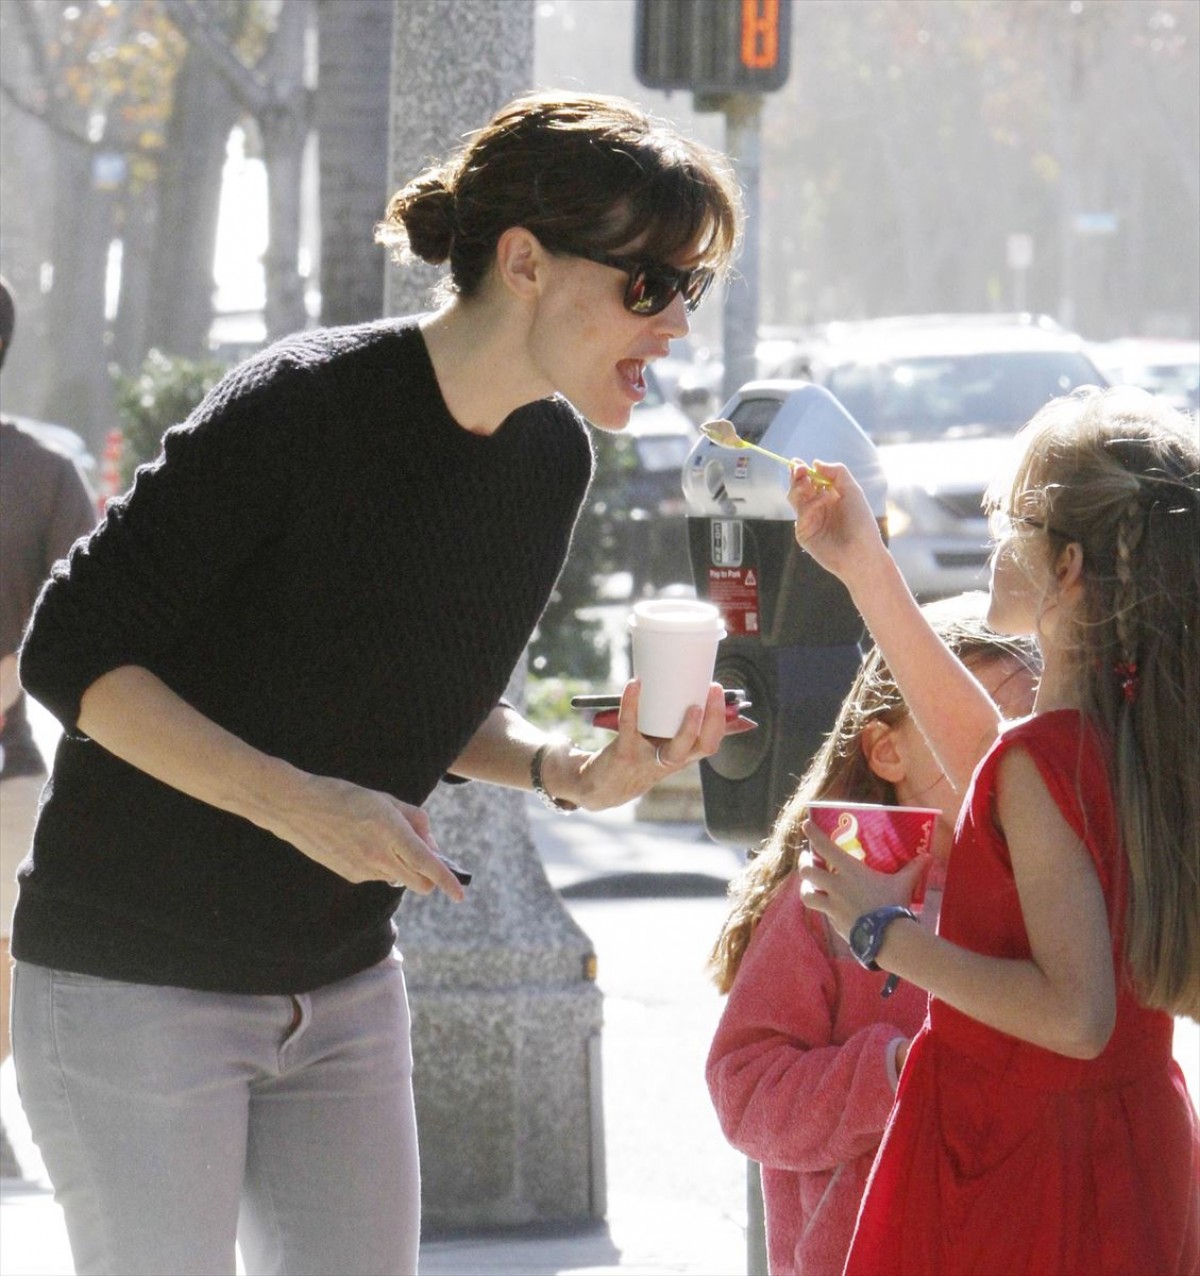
(583, 170)
(840, 769)
(1117, 472)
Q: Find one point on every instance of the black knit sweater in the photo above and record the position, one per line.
(327, 565)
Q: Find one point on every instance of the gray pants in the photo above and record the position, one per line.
(171, 1121)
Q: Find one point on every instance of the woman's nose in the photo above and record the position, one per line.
(674, 319)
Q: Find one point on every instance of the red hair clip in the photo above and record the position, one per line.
(1127, 676)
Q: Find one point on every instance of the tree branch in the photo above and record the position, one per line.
(193, 22)
(50, 118)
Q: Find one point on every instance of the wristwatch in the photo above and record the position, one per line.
(866, 935)
(547, 798)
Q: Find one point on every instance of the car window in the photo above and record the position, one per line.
(955, 395)
(1178, 382)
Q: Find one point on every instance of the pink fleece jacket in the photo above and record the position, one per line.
(802, 1075)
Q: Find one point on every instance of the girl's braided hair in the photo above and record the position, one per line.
(1117, 472)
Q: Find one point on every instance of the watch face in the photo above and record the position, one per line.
(866, 935)
(862, 938)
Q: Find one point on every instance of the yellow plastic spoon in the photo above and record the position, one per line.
(724, 434)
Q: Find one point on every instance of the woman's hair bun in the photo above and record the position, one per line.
(420, 219)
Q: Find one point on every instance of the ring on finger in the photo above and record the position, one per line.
(658, 757)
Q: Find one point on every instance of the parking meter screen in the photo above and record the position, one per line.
(751, 417)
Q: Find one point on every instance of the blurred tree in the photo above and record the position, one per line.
(162, 394)
(97, 80)
(353, 113)
(1123, 127)
(179, 305)
(916, 135)
(275, 90)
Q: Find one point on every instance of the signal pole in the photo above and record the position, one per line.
(729, 53)
(743, 121)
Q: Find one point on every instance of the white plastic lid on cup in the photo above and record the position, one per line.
(677, 615)
(674, 653)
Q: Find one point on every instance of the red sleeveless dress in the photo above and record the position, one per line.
(1002, 1158)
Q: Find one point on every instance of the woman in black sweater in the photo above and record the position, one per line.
(299, 620)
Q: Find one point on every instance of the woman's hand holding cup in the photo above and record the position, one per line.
(632, 762)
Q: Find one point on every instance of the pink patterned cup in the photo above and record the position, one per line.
(886, 837)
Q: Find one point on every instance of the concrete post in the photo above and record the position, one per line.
(454, 63)
(506, 1031)
(506, 1013)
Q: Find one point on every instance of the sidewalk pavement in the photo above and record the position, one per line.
(587, 857)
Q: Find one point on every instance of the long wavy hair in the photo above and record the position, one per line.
(840, 769)
(1117, 472)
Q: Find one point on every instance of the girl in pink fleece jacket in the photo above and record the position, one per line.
(803, 1067)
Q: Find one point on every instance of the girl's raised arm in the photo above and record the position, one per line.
(954, 712)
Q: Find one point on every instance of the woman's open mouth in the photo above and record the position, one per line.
(634, 375)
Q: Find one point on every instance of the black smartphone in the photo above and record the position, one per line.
(463, 876)
(733, 695)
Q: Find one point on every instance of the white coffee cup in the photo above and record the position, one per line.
(674, 653)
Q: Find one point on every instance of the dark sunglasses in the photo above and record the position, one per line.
(650, 286)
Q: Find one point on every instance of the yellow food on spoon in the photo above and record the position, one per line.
(724, 434)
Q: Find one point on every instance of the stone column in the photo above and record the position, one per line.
(506, 1013)
(454, 64)
(506, 1030)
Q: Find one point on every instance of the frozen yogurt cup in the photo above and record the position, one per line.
(885, 837)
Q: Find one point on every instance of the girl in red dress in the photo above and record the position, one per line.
(1041, 1125)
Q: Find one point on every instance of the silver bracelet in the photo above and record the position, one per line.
(547, 799)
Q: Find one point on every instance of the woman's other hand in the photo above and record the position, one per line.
(365, 836)
(357, 833)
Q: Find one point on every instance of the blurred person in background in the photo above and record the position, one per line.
(300, 619)
(44, 507)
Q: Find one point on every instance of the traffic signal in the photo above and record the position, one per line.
(713, 47)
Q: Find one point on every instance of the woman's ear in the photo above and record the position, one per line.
(878, 743)
(519, 261)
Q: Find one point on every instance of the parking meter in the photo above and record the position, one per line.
(794, 637)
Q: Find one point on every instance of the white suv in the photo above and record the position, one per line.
(940, 396)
